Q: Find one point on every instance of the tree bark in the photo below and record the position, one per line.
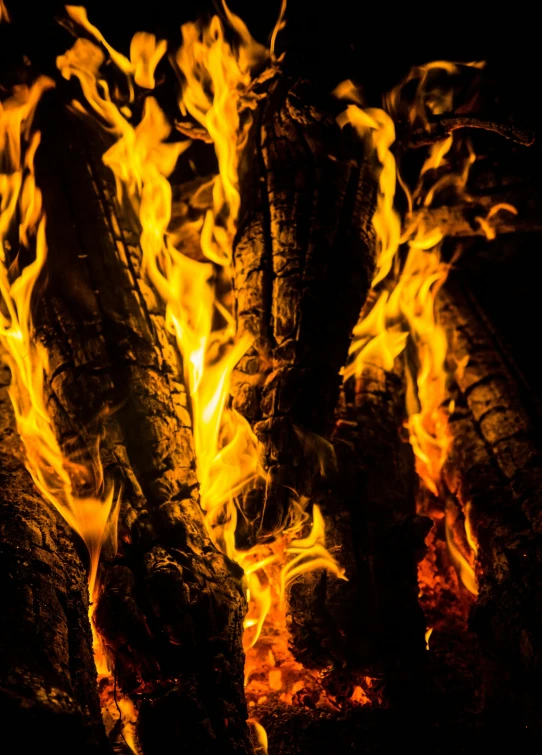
(303, 260)
(495, 467)
(172, 606)
(48, 687)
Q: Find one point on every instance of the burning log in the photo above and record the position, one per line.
(494, 469)
(171, 607)
(372, 523)
(48, 688)
(303, 259)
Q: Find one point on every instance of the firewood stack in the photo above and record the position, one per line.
(172, 605)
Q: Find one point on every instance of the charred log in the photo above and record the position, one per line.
(303, 259)
(440, 128)
(494, 469)
(48, 687)
(470, 219)
(172, 606)
(373, 527)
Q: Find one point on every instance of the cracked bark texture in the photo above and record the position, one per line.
(48, 683)
(373, 528)
(303, 259)
(495, 467)
(172, 607)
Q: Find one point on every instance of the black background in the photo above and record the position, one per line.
(374, 42)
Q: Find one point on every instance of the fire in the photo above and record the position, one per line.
(216, 95)
(216, 81)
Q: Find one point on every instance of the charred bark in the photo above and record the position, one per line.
(303, 259)
(373, 528)
(172, 606)
(495, 468)
(441, 127)
(48, 687)
(469, 219)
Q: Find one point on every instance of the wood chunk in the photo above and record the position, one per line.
(303, 260)
(468, 219)
(441, 127)
(494, 467)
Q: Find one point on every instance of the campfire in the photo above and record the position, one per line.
(271, 477)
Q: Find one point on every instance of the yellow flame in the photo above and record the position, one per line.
(145, 54)
(216, 78)
(4, 14)
(376, 127)
(57, 477)
(485, 223)
(281, 23)
(463, 561)
(310, 554)
(79, 14)
(260, 735)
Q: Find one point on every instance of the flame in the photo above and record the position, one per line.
(78, 14)
(4, 14)
(463, 554)
(216, 77)
(145, 54)
(260, 735)
(216, 81)
(485, 223)
(279, 26)
(376, 126)
(434, 94)
(309, 554)
(63, 482)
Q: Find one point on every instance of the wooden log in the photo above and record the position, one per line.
(495, 468)
(48, 683)
(373, 529)
(303, 259)
(469, 219)
(441, 127)
(172, 606)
